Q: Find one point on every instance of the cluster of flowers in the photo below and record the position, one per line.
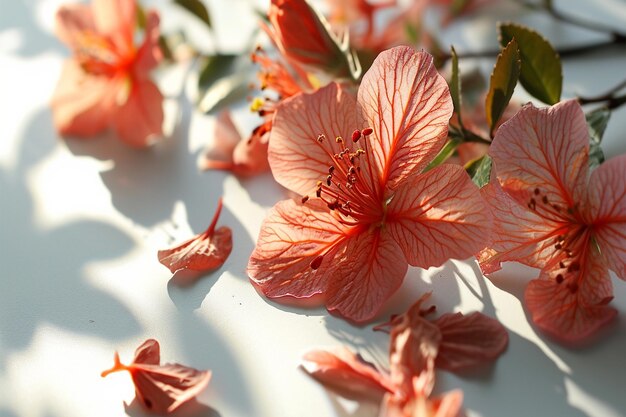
(358, 154)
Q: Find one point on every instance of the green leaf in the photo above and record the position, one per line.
(223, 92)
(455, 85)
(479, 170)
(542, 74)
(445, 153)
(597, 121)
(197, 8)
(140, 17)
(215, 67)
(503, 80)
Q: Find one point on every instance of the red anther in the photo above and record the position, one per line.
(367, 131)
(315, 263)
(331, 169)
(559, 279)
(545, 199)
(321, 138)
(536, 191)
(318, 193)
(573, 267)
(328, 180)
(305, 199)
(356, 135)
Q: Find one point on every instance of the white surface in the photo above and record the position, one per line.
(80, 224)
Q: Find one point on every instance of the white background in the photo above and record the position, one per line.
(81, 221)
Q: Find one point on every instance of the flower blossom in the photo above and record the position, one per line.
(551, 213)
(417, 346)
(106, 83)
(161, 389)
(367, 210)
(248, 157)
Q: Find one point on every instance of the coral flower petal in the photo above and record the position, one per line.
(140, 119)
(116, 19)
(438, 215)
(407, 103)
(607, 206)
(518, 234)
(293, 237)
(161, 388)
(82, 104)
(346, 372)
(149, 54)
(297, 158)
(545, 150)
(574, 309)
(372, 269)
(204, 252)
(469, 340)
(72, 22)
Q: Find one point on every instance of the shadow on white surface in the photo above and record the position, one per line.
(191, 408)
(43, 268)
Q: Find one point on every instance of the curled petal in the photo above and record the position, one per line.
(161, 388)
(296, 251)
(82, 105)
(573, 309)
(417, 405)
(518, 234)
(407, 103)
(297, 158)
(230, 152)
(204, 252)
(140, 119)
(544, 149)
(607, 207)
(346, 372)
(438, 215)
(469, 340)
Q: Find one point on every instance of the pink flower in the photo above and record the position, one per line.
(454, 342)
(106, 83)
(161, 389)
(304, 36)
(551, 213)
(367, 210)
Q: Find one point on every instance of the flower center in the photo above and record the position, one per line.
(96, 55)
(570, 250)
(541, 204)
(345, 190)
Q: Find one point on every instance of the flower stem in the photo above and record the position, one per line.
(610, 98)
(209, 231)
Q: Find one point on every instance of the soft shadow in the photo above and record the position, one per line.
(20, 15)
(43, 278)
(191, 408)
(146, 183)
(537, 388)
(228, 384)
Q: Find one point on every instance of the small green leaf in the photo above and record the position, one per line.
(597, 121)
(455, 85)
(503, 80)
(542, 74)
(479, 170)
(197, 8)
(140, 17)
(445, 153)
(215, 67)
(223, 92)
